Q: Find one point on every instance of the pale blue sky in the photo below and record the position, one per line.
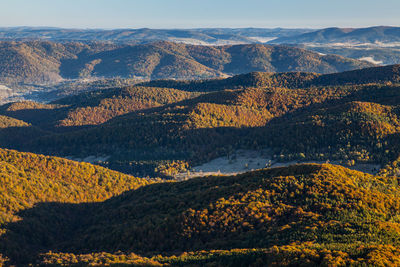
(199, 13)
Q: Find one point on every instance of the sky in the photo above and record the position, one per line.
(108, 14)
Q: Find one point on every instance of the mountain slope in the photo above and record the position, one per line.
(196, 129)
(37, 61)
(28, 179)
(371, 35)
(331, 213)
(160, 132)
(384, 74)
(98, 107)
(92, 108)
(41, 62)
(179, 61)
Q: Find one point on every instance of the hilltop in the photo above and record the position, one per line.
(371, 35)
(50, 62)
(161, 131)
(382, 74)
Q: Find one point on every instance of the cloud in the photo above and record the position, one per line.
(371, 60)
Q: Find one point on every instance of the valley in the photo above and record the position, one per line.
(162, 128)
(243, 161)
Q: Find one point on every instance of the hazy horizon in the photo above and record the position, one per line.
(180, 14)
(189, 28)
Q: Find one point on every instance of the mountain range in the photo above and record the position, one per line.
(161, 128)
(145, 152)
(209, 36)
(378, 45)
(206, 36)
(141, 201)
(41, 62)
(360, 36)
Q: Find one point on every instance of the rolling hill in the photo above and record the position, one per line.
(384, 74)
(36, 61)
(289, 103)
(93, 107)
(299, 215)
(215, 36)
(378, 45)
(371, 35)
(49, 62)
(28, 179)
(349, 117)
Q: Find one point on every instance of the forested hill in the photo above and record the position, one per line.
(159, 131)
(27, 179)
(253, 79)
(41, 61)
(382, 74)
(300, 215)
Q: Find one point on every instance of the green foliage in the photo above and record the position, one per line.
(96, 259)
(290, 255)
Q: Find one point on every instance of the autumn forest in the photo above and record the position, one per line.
(175, 154)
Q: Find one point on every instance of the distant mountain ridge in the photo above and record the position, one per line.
(379, 34)
(216, 36)
(207, 36)
(377, 45)
(43, 61)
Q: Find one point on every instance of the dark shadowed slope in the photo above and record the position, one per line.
(384, 74)
(327, 213)
(41, 62)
